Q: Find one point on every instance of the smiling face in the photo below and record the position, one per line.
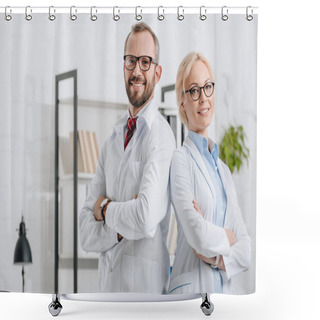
(199, 113)
(140, 84)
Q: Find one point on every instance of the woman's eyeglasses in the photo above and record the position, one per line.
(195, 92)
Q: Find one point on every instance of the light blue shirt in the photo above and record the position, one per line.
(210, 159)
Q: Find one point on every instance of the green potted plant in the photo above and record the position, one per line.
(232, 149)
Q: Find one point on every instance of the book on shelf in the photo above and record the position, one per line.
(79, 154)
(83, 151)
(90, 151)
(94, 150)
(87, 152)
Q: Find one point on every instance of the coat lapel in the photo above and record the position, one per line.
(195, 154)
(222, 174)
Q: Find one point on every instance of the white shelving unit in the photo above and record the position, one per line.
(77, 272)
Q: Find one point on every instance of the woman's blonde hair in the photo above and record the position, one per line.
(183, 72)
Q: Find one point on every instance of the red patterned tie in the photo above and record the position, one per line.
(131, 126)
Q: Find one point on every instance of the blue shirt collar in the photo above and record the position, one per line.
(202, 144)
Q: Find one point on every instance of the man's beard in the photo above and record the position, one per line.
(134, 98)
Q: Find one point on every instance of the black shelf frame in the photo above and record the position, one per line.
(61, 77)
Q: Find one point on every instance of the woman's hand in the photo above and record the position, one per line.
(231, 237)
(196, 206)
(205, 259)
(212, 260)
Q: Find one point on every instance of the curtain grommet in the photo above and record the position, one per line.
(7, 16)
(93, 17)
(138, 16)
(52, 17)
(160, 16)
(28, 16)
(116, 17)
(249, 17)
(224, 13)
(203, 13)
(73, 12)
(180, 13)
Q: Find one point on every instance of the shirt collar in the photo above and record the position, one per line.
(146, 114)
(202, 144)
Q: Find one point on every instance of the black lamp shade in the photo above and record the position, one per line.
(22, 252)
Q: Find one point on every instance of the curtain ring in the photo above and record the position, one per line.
(7, 16)
(51, 15)
(203, 12)
(116, 17)
(93, 17)
(27, 14)
(160, 16)
(224, 13)
(249, 17)
(138, 16)
(73, 16)
(180, 13)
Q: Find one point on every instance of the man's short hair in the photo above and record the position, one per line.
(140, 27)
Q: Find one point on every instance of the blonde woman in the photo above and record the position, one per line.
(213, 244)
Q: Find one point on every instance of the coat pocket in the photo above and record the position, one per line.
(183, 283)
(140, 275)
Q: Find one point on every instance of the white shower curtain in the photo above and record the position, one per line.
(34, 52)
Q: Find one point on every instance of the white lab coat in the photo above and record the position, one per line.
(190, 180)
(140, 261)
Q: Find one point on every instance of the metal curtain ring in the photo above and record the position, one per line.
(51, 15)
(138, 16)
(203, 12)
(224, 13)
(93, 17)
(73, 16)
(160, 16)
(7, 16)
(28, 15)
(249, 17)
(116, 17)
(180, 15)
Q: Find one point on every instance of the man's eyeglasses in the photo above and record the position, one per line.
(195, 92)
(144, 62)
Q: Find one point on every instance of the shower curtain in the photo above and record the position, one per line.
(35, 55)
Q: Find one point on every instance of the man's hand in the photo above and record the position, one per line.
(97, 210)
(120, 237)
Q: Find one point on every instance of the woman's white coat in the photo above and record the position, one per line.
(190, 180)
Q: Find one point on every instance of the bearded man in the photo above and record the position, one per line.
(126, 214)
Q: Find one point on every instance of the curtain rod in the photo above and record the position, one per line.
(124, 9)
(138, 11)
